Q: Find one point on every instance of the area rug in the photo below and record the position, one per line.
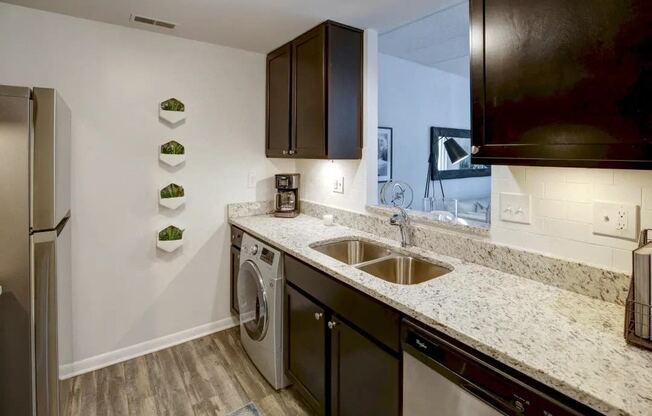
(248, 410)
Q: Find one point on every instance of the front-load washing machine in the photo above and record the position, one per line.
(260, 299)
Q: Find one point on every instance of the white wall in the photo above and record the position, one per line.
(412, 98)
(317, 176)
(562, 211)
(124, 291)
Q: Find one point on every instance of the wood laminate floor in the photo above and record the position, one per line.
(211, 375)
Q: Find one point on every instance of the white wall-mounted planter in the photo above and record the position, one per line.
(172, 196)
(176, 153)
(172, 116)
(171, 203)
(169, 245)
(172, 160)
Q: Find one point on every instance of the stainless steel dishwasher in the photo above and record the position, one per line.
(440, 378)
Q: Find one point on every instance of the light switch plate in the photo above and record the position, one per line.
(515, 207)
(615, 219)
(251, 179)
(338, 185)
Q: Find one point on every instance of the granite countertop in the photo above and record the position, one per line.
(565, 340)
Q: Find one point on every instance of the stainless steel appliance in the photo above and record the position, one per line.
(260, 302)
(286, 203)
(442, 378)
(34, 245)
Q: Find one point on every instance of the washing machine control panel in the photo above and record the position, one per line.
(267, 256)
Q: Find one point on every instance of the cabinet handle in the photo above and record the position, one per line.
(318, 315)
(291, 152)
(332, 324)
(285, 152)
(475, 149)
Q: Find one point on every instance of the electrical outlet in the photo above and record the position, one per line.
(615, 220)
(515, 207)
(338, 185)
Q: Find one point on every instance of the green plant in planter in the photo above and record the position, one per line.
(172, 104)
(172, 148)
(172, 191)
(170, 233)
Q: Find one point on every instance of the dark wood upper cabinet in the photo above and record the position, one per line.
(314, 88)
(562, 83)
(279, 92)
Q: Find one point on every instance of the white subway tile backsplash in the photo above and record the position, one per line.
(646, 218)
(515, 238)
(587, 253)
(539, 174)
(646, 198)
(579, 211)
(622, 260)
(562, 212)
(512, 184)
(576, 192)
(505, 172)
(570, 230)
(549, 208)
(579, 175)
(640, 178)
(630, 194)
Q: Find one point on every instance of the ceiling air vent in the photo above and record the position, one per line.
(150, 21)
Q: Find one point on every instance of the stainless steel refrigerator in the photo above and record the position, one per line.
(34, 245)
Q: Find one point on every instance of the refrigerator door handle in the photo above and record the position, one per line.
(44, 292)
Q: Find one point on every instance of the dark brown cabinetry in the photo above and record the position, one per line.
(342, 347)
(358, 367)
(562, 83)
(306, 347)
(314, 95)
(236, 240)
(279, 91)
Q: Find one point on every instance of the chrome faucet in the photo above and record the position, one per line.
(403, 222)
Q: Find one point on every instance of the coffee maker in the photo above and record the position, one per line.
(286, 203)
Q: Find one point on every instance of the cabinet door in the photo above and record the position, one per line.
(305, 347)
(309, 103)
(365, 377)
(344, 91)
(562, 83)
(235, 269)
(279, 65)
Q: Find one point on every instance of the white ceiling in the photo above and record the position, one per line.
(256, 25)
(439, 40)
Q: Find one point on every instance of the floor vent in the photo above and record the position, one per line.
(154, 22)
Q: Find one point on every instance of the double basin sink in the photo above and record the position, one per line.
(382, 262)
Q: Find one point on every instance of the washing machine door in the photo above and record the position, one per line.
(252, 301)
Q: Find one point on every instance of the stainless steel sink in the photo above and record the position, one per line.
(353, 251)
(404, 270)
(382, 262)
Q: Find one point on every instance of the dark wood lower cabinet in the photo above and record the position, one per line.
(236, 242)
(235, 269)
(337, 354)
(364, 377)
(306, 348)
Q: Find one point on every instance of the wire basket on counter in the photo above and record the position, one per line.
(638, 325)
